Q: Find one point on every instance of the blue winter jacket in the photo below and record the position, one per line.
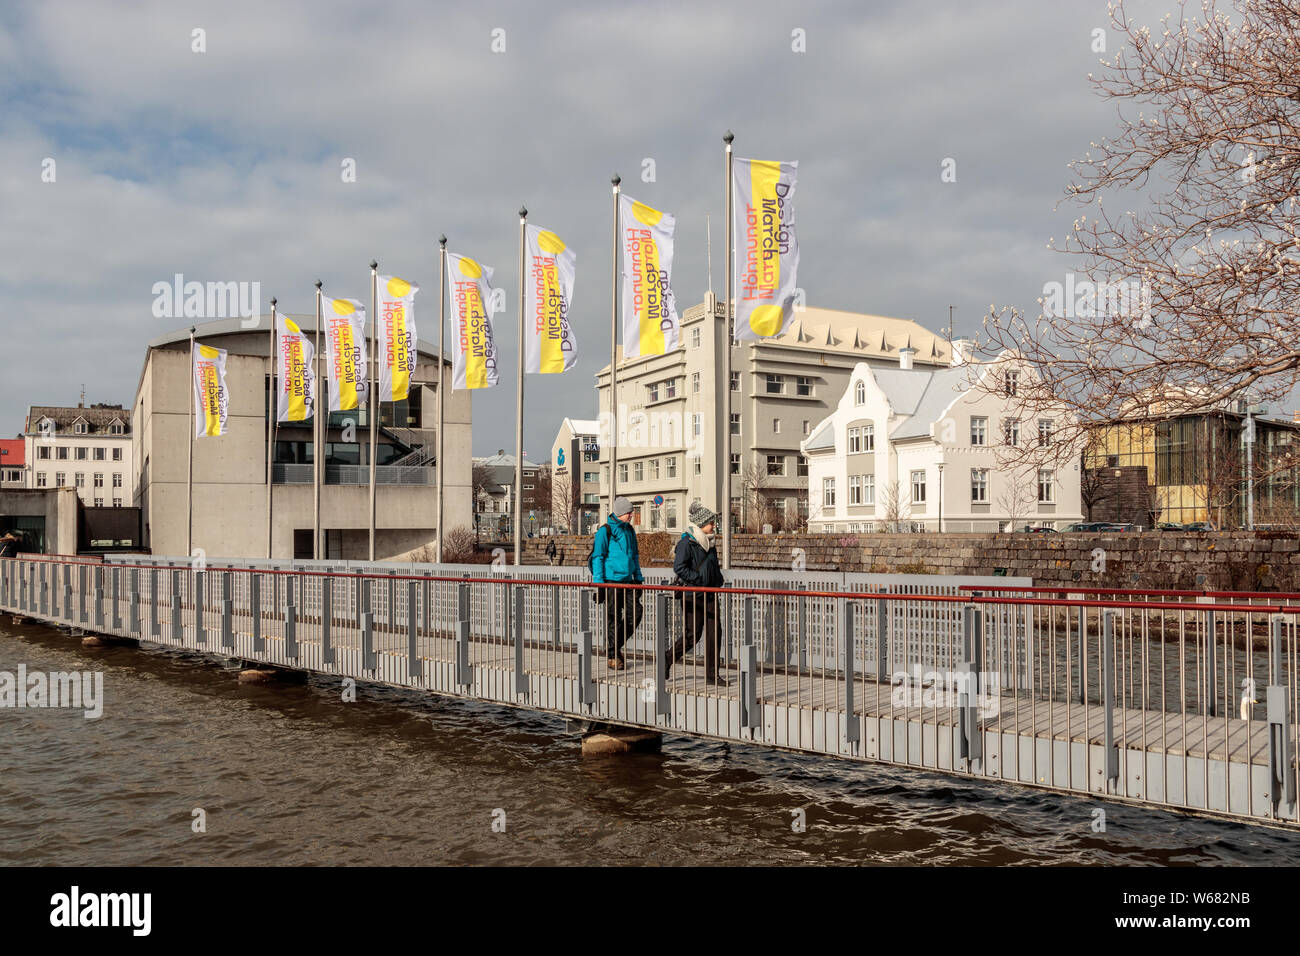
(614, 557)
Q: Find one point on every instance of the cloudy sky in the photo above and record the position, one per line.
(225, 165)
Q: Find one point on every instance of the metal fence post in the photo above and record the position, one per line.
(99, 598)
(971, 737)
(1108, 692)
(178, 633)
(82, 617)
(367, 626)
(555, 617)
(517, 632)
(749, 715)
(464, 673)
(290, 620)
(414, 666)
(116, 574)
(155, 629)
(1282, 782)
(882, 641)
(200, 630)
(327, 620)
(586, 652)
(662, 652)
(255, 610)
(45, 593)
(227, 610)
(1083, 655)
(1211, 662)
(133, 600)
(803, 630)
(852, 727)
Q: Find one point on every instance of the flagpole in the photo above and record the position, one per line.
(272, 415)
(613, 359)
(189, 481)
(318, 432)
(442, 408)
(373, 405)
(519, 402)
(724, 426)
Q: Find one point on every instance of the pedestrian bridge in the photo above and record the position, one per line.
(1177, 699)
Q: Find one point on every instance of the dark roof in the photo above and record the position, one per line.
(97, 417)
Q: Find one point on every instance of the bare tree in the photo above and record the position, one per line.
(1187, 291)
(564, 507)
(1017, 499)
(895, 507)
(753, 480)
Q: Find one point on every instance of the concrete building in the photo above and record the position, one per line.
(911, 449)
(230, 472)
(494, 496)
(575, 476)
(781, 387)
(45, 520)
(13, 463)
(88, 448)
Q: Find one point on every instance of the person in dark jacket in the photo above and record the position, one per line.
(616, 560)
(8, 545)
(696, 565)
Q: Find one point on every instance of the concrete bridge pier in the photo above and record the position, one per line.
(600, 738)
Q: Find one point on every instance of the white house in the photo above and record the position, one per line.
(923, 449)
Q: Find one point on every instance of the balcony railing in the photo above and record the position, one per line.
(354, 475)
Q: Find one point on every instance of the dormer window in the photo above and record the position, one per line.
(80, 427)
(117, 428)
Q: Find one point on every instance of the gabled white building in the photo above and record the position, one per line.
(909, 449)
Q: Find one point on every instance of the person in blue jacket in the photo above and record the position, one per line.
(615, 560)
(696, 564)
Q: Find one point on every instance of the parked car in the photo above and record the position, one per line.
(1030, 530)
(1087, 526)
(1199, 526)
(1116, 526)
(1170, 526)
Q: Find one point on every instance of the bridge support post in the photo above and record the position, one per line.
(1108, 692)
(367, 627)
(464, 672)
(327, 620)
(586, 652)
(968, 689)
(116, 574)
(749, 713)
(99, 598)
(290, 622)
(662, 650)
(227, 609)
(414, 666)
(255, 611)
(178, 633)
(45, 592)
(82, 617)
(852, 726)
(517, 632)
(155, 629)
(133, 601)
(1282, 777)
(200, 631)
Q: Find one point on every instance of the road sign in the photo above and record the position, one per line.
(659, 499)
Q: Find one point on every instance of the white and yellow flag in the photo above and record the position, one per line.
(211, 401)
(295, 382)
(650, 320)
(397, 337)
(474, 359)
(548, 334)
(345, 352)
(767, 252)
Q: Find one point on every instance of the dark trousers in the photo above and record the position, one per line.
(700, 620)
(622, 615)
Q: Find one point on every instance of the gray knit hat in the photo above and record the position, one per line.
(621, 506)
(700, 515)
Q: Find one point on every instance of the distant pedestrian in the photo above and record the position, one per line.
(615, 560)
(8, 545)
(696, 565)
(552, 552)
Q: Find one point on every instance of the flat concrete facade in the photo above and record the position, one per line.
(44, 518)
(230, 500)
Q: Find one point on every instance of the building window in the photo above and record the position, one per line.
(860, 393)
(1046, 486)
(805, 428)
(117, 502)
(40, 479)
(117, 428)
(622, 474)
(117, 481)
(775, 384)
(99, 502)
(695, 380)
(61, 453)
(59, 479)
(801, 467)
(80, 479)
(979, 485)
(117, 454)
(979, 431)
(776, 465)
(670, 514)
(80, 428)
(590, 478)
(735, 381)
(670, 388)
(654, 469)
(735, 423)
(591, 455)
(1011, 382)
(803, 385)
(99, 453)
(638, 471)
(695, 338)
(1011, 431)
(868, 437)
(735, 464)
(855, 490)
(99, 479)
(670, 467)
(652, 392)
(698, 466)
(868, 489)
(654, 519)
(828, 492)
(1044, 431)
(918, 487)
(43, 452)
(776, 426)
(695, 424)
(855, 440)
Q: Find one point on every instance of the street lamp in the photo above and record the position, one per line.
(941, 464)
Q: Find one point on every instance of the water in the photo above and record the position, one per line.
(292, 774)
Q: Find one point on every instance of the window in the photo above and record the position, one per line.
(776, 426)
(117, 502)
(855, 440)
(801, 467)
(695, 338)
(735, 464)
(828, 492)
(735, 381)
(979, 485)
(117, 454)
(99, 502)
(654, 519)
(652, 392)
(117, 428)
(99, 479)
(591, 454)
(855, 490)
(775, 384)
(695, 381)
(590, 478)
(805, 427)
(860, 393)
(638, 471)
(670, 514)
(1011, 431)
(43, 452)
(776, 465)
(698, 467)
(868, 437)
(1012, 381)
(99, 453)
(670, 467)
(868, 489)
(80, 479)
(1046, 486)
(670, 388)
(117, 481)
(979, 431)
(803, 385)
(622, 474)
(695, 424)
(80, 428)
(40, 479)
(62, 453)
(1044, 431)
(60, 479)
(654, 469)
(918, 487)
(735, 423)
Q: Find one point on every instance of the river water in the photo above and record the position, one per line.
(293, 774)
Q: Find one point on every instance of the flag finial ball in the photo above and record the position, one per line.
(273, 300)
(374, 264)
(728, 136)
(442, 240)
(616, 179)
(523, 212)
(318, 284)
